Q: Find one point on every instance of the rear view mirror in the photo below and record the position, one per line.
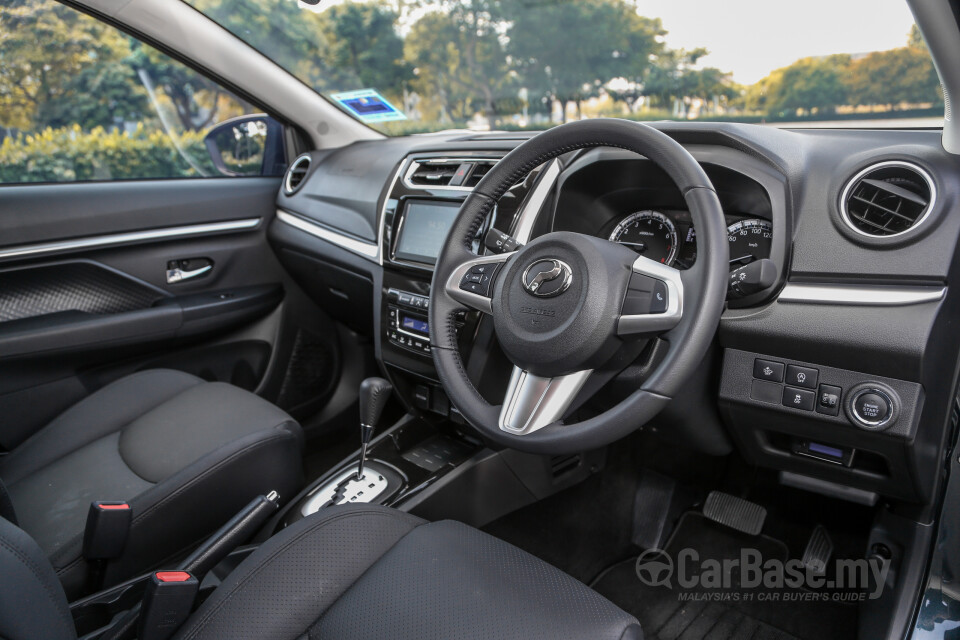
(247, 146)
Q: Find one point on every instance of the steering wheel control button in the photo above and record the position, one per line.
(645, 295)
(479, 278)
(828, 400)
(768, 370)
(802, 377)
(659, 302)
(547, 278)
(798, 398)
(769, 392)
(872, 408)
(639, 295)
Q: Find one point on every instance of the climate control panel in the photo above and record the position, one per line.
(408, 323)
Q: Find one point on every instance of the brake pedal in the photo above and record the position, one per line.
(736, 513)
(818, 551)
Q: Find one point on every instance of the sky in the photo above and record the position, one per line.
(751, 38)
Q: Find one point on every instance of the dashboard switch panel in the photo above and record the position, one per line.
(762, 391)
(768, 370)
(828, 399)
(799, 398)
(805, 377)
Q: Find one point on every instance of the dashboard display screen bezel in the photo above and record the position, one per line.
(397, 253)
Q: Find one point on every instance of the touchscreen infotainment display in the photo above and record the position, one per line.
(424, 230)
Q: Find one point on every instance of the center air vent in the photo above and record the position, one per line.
(295, 174)
(448, 173)
(887, 199)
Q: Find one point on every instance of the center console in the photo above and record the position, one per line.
(418, 211)
(430, 458)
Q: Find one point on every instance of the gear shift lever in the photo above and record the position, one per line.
(374, 393)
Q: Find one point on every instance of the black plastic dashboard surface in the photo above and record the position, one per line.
(802, 172)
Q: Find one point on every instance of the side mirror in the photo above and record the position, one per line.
(247, 146)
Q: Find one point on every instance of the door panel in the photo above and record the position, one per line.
(82, 304)
(66, 211)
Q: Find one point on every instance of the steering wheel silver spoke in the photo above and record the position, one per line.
(533, 402)
(666, 300)
(475, 295)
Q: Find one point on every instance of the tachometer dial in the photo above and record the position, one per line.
(649, 233)
(749, 240)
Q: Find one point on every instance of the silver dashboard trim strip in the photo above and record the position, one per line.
(366, 249)
(132, 237)
(861, 295)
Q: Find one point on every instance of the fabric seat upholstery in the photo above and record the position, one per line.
(185, 453)
(352, 572)
(363, 571)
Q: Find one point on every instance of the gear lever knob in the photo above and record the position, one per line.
(374, 394)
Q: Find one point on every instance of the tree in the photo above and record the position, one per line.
(645, 46)
(362, 48)
(194, 98)
(568, 50)
(674, 76)
(59, 66)
(806, 85)
(915, 39)
(458, 56)
(893, 77)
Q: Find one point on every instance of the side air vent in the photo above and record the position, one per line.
(887, 199)
(448, 173)
(295, 174)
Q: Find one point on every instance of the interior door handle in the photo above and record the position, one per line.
(180, 270)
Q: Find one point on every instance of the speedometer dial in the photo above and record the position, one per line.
(749, 240)
(649, 233)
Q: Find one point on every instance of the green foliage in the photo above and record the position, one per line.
(363, 49)
(79, 82)
(459, 60)
(69, 154)
(60, 67)
(674, 75)
(610, 40)
(893, 77)
(809, 84)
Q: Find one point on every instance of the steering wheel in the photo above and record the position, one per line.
(565, 305)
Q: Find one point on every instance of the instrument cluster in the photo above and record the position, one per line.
(668, 237)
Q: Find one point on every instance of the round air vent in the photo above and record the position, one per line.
(887, 199)
(295, 174)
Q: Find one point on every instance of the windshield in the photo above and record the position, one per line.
(416, 66)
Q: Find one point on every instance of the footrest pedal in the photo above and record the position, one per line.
(736, 513)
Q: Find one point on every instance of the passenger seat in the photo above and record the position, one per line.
(184, 453)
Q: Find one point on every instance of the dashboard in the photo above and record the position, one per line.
(853, 305)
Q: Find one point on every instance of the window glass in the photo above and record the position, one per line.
(414, 66)
(81, 100)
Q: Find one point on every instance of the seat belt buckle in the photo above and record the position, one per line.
(108, 525)
(167, 602)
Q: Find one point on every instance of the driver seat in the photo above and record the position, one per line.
(352, 572)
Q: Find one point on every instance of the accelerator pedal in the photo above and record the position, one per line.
(736, 513)
(818, 551)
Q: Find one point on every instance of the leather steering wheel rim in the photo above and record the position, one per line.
(703, 297)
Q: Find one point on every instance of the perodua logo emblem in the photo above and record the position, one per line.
(547, 277)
